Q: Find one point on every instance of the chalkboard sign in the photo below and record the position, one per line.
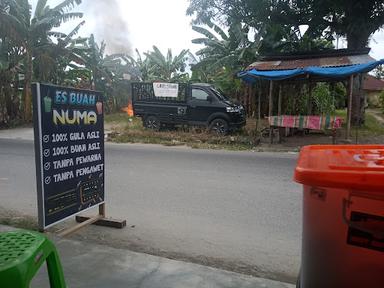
(69, 151)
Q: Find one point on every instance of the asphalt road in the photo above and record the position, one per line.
(239, 211)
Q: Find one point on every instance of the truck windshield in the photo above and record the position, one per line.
(220, 94)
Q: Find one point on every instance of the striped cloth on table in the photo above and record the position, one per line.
(306, 122)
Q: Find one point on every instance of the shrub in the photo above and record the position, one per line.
(381, 101)
(323, 98)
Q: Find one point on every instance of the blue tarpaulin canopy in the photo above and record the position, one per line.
(253, 75)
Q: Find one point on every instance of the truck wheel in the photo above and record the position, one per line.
(152, 122)
(219, 127)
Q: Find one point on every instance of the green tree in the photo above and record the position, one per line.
(142, 67)
(323, 99)
(224, 54)
(33, 34)
(107, 73)
(355, 19)
(224, 50)
(279, 23)
(167, 67)
(276, 23)
(11, 57)
(379, 72)
(381, 101)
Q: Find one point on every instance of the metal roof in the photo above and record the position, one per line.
(373, 84)
(327, 61)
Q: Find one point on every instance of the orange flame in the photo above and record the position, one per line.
(129, 109)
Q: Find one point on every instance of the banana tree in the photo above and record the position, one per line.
(108, 73)
(33, 33)
(167, 68)
(142, 68)
(224, 53)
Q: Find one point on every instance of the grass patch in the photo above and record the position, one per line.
(342, 114)
(371, 127)
(193, 138)
(116, 118)
(131, 130)
(123, 122)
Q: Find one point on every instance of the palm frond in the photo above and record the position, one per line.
(205, 32)
(73, 32)
(218, 30)
(63, 18)
(56, 34)
(203, 41)
(12, 28)
(169, 56)
(158, 54)
(66, 6)
(40, 6)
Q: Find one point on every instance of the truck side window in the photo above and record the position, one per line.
(198, 94)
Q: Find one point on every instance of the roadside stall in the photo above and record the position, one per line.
(307, 69)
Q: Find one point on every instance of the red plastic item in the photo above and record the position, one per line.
(343, 216)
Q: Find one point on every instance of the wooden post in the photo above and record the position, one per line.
(280, 99)
(349, 109)
(279, 104)
(253, 100)
(102, 210)
(249, 113)
(310, 89)
(258, 107)
(270, 110)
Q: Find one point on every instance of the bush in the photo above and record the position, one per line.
(381, 101)
(324, 100)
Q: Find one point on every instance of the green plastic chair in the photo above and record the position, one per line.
(21, 255)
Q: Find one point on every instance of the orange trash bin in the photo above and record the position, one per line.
(343, 216)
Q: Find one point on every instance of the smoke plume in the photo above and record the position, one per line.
(109, 25)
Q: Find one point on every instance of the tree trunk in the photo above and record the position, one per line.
(16, 99)
(27, 92)
(358, 107)
(357, 41)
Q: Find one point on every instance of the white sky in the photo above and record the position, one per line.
(164, 23)
(153, 22)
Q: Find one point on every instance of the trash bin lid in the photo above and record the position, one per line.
(342, 166)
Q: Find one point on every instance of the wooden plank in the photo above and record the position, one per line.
(99, 220)
(106, 222)
(73, 229)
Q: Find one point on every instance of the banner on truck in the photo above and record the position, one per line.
(166, 89)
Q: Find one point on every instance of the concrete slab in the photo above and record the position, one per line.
(89, 265)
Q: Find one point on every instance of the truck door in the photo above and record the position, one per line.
(199, 106)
